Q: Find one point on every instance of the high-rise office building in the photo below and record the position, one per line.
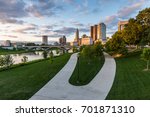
(98, 32)
(45, 40)
(101, 32)
(63, 40)
(77, 36)
(95, 33)
(121, 25)
(92, 32)
(7, 43)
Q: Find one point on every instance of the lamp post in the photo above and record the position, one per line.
(78, 56)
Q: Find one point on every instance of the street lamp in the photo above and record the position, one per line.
(78, 57)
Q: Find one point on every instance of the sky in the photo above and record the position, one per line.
(28, 20)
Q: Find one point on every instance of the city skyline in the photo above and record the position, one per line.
(28, 20)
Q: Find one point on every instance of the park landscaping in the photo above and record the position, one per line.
(90, 61)
(132, 79)
(132, 82)
(24, 81)
(87, 71)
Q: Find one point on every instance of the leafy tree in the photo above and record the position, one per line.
(146, 56)
(88, 52)
(2, 63)
(98, 49)
(75, 49)
(145, 37)
(51, 55)
(24, 59)
(57, 51)
(108, 45)
(30, 44)
(82, 47)
(132, 32)
(45, 54)
(116, 42)
(143, 17)
(8, 61)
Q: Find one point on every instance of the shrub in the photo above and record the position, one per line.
(146, 56)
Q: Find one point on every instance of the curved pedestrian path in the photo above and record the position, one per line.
(60, 89)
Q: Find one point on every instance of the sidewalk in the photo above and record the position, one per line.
(60, 89)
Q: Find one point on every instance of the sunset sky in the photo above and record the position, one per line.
(27, 20)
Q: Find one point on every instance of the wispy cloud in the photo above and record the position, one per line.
(127, 11)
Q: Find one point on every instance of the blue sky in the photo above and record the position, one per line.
(28, 20)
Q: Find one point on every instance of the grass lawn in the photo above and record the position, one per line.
(22, 82)
(131, 82)
(87, 71)
(4, 52)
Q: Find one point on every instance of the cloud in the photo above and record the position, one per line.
(66, 30)
(5, 20)
(123, 14)
(40, 8)
(77, 24)
(70, 30)
(11, 36)
(111, 19)
(26, 29)
(127, 11)
(70, 1)
(10, 10)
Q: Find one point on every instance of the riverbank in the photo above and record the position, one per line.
(22, 82)
(5, 52)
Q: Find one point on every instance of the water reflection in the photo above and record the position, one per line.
(32, 56)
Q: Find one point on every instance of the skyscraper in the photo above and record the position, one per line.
(92, 32)
(101, 32)
(45, 40)
(77, 36)
(95, 33)
(63, 40)
(7, 43)
(98, 32)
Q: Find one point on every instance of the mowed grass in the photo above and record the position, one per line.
(131, 82)
(22, 82)
(87, 71)
(4, 52)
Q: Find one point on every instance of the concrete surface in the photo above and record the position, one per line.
(59, 88)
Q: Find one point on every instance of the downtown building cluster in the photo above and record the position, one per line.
(97, 33)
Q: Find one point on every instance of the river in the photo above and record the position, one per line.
(31, 56)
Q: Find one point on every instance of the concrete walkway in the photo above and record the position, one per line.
(59, 88)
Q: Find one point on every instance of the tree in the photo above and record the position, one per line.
(132, 33)
(88, 52)
(2, 61)
(57, 51)
(116, 42)
(98, 49)
(146, 56)
(82, 47)
(51, 55)
(145, 37)
(24, 59)
(143, 17)
(44, 54)
(75, 49)
(30, 44)
(8, 61)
